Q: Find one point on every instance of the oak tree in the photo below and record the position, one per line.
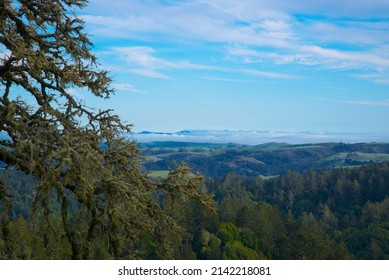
(92, 194)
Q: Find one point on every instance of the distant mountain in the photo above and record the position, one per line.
(255, 137)
(270, 159)
(153, 133)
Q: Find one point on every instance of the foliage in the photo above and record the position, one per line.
(330, 214)
(296, 216)
(90, 199)
(73, 186)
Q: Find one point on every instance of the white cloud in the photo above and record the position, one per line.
(250, 56)
(312, 55)
(357, 58)
(151, 73)
(328, 34)
(368, 102)
(126, 87)
(218, 79)
(258, 137)
(143, 61)
(379, 78)
(342, 31)
(141, 56)
(229, 21)
(266, 74)
(336, 8)
(210, 21)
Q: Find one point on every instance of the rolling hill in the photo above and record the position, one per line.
(215, 160)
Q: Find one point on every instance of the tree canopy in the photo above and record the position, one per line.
(90, 186)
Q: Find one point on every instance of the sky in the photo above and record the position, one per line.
(286, 65)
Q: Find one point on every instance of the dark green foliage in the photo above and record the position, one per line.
(332, 214)
(210, 246)
(260, 219)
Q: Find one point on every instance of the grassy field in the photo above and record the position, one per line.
(158, 174)
(341, 159)
(372, 156)
(162, 174)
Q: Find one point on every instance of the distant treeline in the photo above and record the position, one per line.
(329, 214)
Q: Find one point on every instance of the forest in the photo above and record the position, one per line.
(328, 214)
(73, 185)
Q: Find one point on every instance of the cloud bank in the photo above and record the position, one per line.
(257, 137)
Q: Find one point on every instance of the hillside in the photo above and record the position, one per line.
(320, 214)
(216, 160)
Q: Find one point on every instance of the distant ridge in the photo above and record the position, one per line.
(152, 132)
(256, 137)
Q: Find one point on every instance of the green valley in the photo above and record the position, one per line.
(270, 159)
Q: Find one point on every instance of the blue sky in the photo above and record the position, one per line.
(318, 66)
